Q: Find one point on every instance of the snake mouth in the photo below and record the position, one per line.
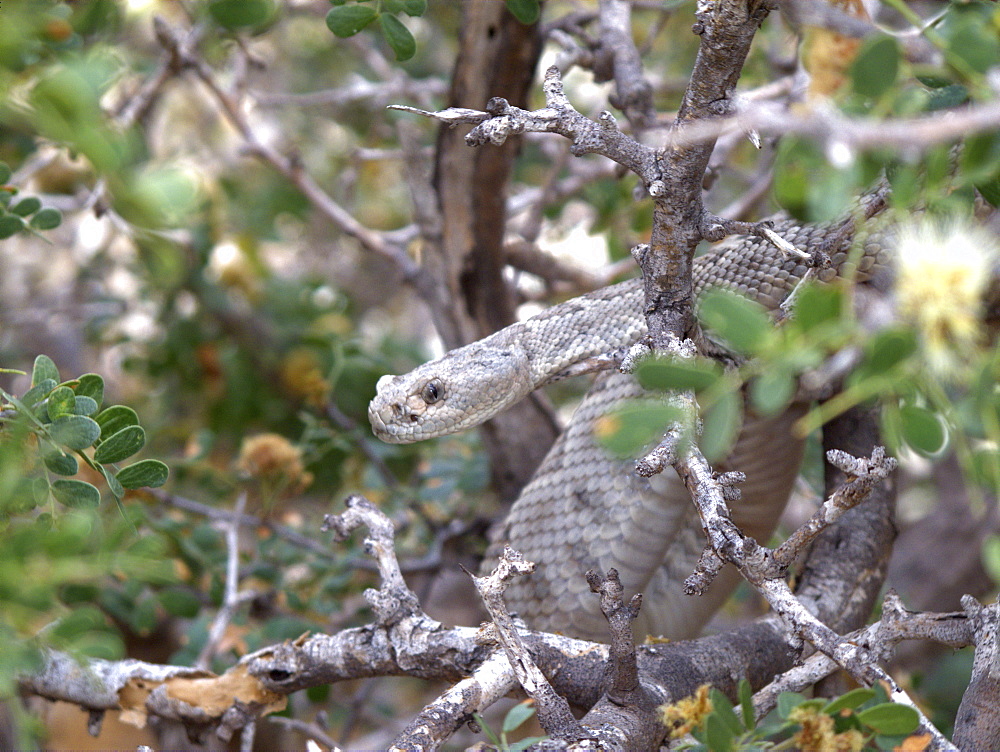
(387, 431)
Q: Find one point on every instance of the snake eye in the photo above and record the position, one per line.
(432, 392)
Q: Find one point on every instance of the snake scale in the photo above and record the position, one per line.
(583, 509)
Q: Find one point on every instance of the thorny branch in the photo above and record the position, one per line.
(407, 642)
(553, 710)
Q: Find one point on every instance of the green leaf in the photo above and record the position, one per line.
(144, 474)
(62, 401)
(180, 602)
(772, 391)
(91, 385)
(723, 708)
(236, 14)
(888, 349)
(517, 715)
(991, 557)
(718, 735)
(490, 734)
(61, 463)
(44, 369)
(26, 206)
(745, 694)
(414, 7)
(398, 36)
(742, 323)
(120, 445)
(38, 392)
(807, 186)
(10, 225)
(721, 426)
(47, 219)
(849, 700)
(348, 20)
(77, 494)
(787, 702)
(876, 67)
(5, 173)
(922, 430)
(114, 485)
(663, 373)
(890, 718)
(817, 305)
(84, 406)
(115, 418)
(525, 11)
(74, 431)
(633, 426)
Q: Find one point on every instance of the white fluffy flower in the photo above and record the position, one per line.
(943, 270)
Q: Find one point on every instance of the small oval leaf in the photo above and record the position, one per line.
(890, 718)
(850, 700)
(144, 474)
(26, 206)
(235, 14)
(678, 374)
(348, 20)
(47, 219)
(922, 430)
(115, 418)
(62, 401)
(722, 425)
(398, 37)
(876, 67)
(76, 494)
(632, 427)
(84, 406)
(414, 7)
(120, 445)
(10, 225)
(525, 11)
(44, 369)
(61, 464)
(91, 385)
(772, 391)
(74, 431)
(742, 323)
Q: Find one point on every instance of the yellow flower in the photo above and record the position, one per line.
(943, 273)
(686, 715)
(301, 375)
(816, 734)
(275, 463)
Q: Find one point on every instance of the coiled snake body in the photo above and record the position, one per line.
(583, 509)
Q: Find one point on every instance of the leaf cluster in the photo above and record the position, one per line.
(65, 421)
(26, 214)
(821, 325)
(798, 722)
(816, 183)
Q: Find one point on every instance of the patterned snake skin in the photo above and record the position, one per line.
(582, 509)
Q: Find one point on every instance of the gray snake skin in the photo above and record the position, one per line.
(583, 509)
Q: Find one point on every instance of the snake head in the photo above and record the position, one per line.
(466, 387)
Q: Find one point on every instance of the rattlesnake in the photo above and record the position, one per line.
(582, 509)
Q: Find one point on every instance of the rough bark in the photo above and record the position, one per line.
(497, 58)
